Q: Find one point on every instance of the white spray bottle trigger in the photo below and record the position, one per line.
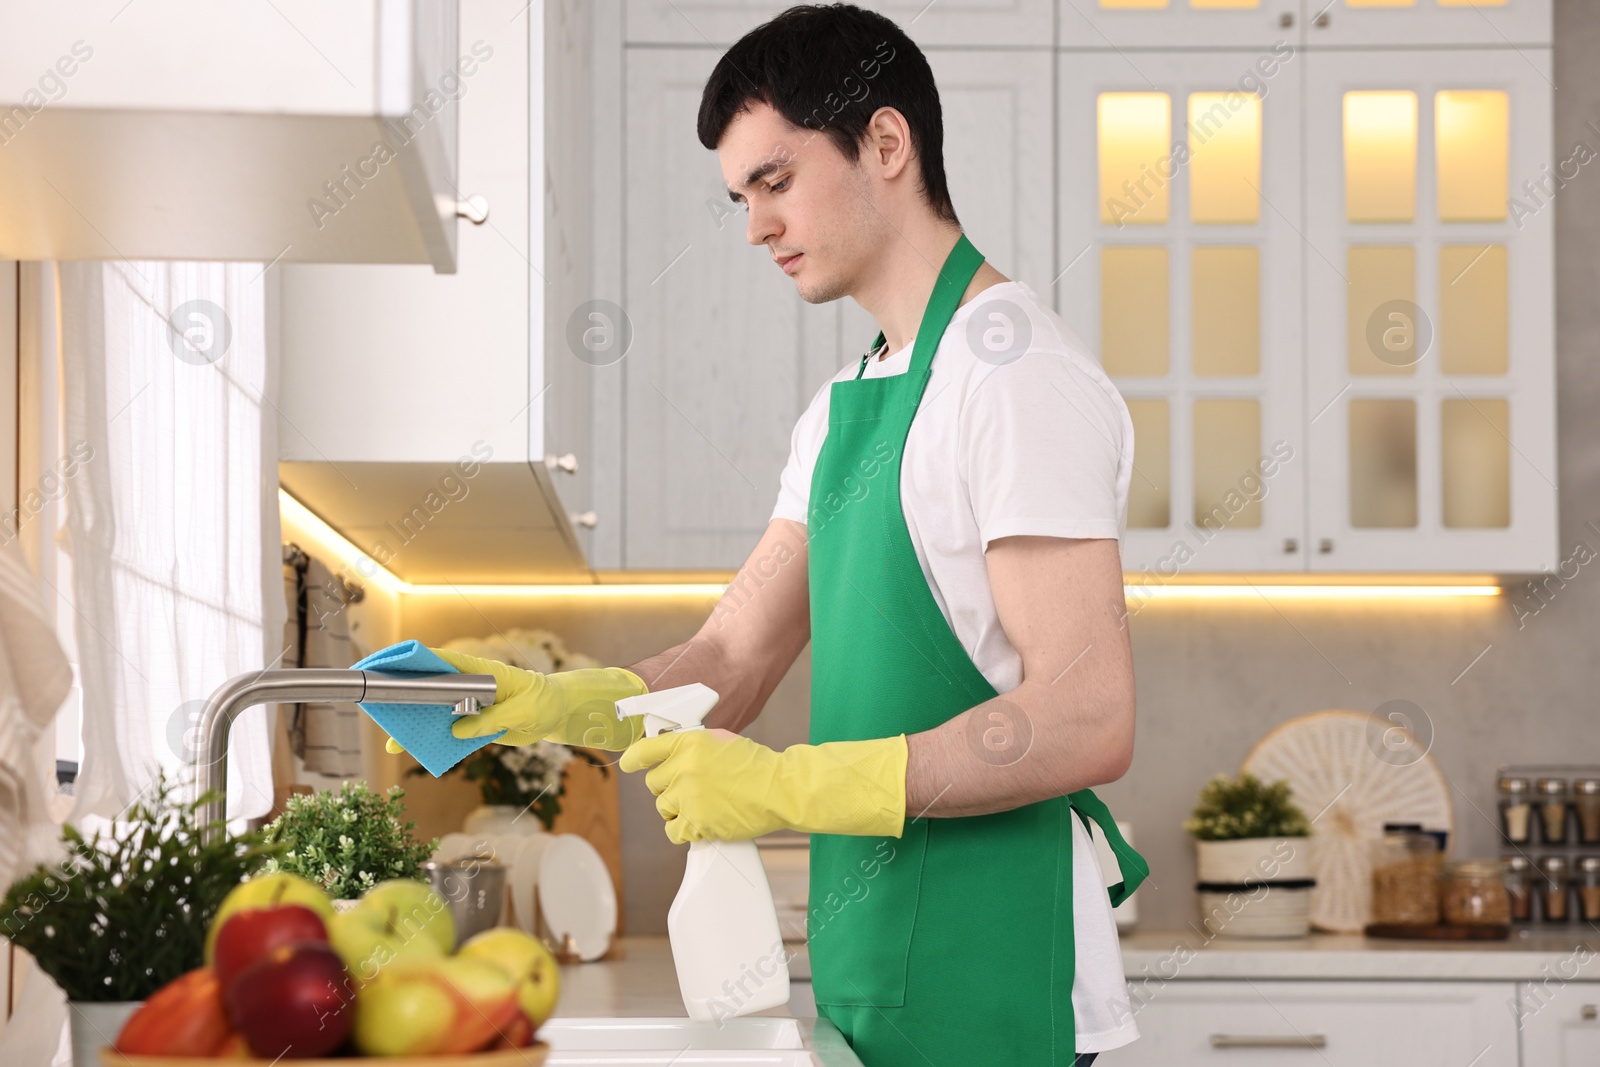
(683, 707)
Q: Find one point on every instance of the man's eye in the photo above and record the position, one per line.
(779, 186)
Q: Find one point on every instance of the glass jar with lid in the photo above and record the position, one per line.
(1588, 879)
(1551, 796)
(1586, 803)
(1405, 876)
(1519, 888)
(1516, 809)
(1473, 893)
(1554, 889)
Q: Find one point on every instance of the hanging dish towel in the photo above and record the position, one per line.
(423, 729)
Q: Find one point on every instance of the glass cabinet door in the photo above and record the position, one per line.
(1179, 263)
(1417, 23)
(1178, 23)
(1430, 381)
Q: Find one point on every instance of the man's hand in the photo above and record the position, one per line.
(716, 785)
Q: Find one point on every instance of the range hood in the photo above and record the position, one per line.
(294, 131)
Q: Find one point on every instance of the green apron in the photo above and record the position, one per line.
(953, 944)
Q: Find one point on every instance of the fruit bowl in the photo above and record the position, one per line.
(532, 1056)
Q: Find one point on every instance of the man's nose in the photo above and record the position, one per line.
(763, 224)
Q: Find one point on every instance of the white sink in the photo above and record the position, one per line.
(658, 1042)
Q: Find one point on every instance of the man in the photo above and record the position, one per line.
(945, 532)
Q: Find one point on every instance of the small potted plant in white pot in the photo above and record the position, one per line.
(1253, 858)
(347, 840)
(126, 911)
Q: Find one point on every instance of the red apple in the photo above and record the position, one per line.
(246, 936)
(517, 1034)
(185, 1017)
(294, 1002)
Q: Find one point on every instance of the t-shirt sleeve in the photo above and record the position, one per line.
(1046, 449)
(805, 443)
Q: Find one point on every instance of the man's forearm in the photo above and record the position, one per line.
(1019, 748)
(742, 688)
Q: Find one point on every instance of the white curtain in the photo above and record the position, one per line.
(173, 524)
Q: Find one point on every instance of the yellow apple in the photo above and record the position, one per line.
(525, 959)
(423, 1006)
(394, 920)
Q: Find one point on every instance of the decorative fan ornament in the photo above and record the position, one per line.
(1352, 772)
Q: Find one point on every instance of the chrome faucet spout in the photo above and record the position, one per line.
(294, 686)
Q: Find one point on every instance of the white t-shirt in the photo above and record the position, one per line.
(1037, 444)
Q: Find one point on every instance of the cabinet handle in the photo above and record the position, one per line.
(1590, 1013)
(475, 209)
(1286, 20)
(1268, 1041)
(588, 520)
(1325, 545)
(1290, 545)
(568, 463)
(1321, 21)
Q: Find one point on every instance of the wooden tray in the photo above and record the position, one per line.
(532, 1056)
(1439, 932)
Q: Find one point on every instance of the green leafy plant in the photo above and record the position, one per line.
(126, 911)
(1230, 809)
(349, 839)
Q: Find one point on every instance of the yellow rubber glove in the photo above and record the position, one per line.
(712, 784)
(568, 707)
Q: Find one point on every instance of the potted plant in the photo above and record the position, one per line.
(347, 840)
(126, 911)
(1253, 857)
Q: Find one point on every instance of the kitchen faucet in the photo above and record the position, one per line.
(467, 691)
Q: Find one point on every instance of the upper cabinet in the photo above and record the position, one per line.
(429, 417)
(1128, 24)
(971, 23)
(1325, 291)
(294, 131)
(1414, 23)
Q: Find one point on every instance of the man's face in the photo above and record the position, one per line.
(804, 200)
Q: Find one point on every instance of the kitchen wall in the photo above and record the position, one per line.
(1503, 679)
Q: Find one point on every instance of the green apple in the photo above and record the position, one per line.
(424, 1006)
(526, 961)
(268, 891)
(394, 920)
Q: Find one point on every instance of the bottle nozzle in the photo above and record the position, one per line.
(678, 708)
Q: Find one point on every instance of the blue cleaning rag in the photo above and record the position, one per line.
(424, 729)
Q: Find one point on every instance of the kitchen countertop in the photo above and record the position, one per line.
(1164, 955)
(639, 979)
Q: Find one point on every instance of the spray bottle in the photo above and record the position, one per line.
(722, 925)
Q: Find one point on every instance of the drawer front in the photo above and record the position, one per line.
(1322, 1024)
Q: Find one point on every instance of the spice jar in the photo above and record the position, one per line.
(1553, 889)
(1552, 797)
(1473, 893)
(1586, 802)
(1516, 810)
(1589, 889)
(1519, 888)
(1405, 876)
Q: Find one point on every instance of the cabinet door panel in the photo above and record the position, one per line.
(1416, 23)
(950, 22)
(1560, 1021)
(1129, 24)
(1429, 316)
(1179, 262)
(725, 353)
(1330, 1024)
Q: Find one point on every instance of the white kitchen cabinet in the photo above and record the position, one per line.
(1180, 259)
(1560, 1022)
(391, 374)
(1430, 311)
(972, 23)
(1329, 1024)
(294, 131)
(1136, 24)
(1419, 23)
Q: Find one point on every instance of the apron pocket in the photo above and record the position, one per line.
(862, 906)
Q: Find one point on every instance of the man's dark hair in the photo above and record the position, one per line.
(828, 67)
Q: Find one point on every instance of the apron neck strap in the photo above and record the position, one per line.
(959, 267)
